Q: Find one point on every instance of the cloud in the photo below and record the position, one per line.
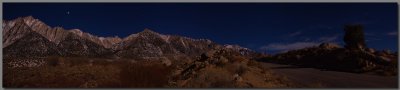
(392, 33)
(283, 47)
(287, 47)
(369, 34)
(307, 39)
(319, 27)
(295, 34)
(369, 39)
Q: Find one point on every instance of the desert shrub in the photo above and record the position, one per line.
(268, 58)
(75, 61)
(237, 68)
(394, 62)
(236, 59)
(241, 69)
(82, 72)
(212, 78)
(103, 62)
(253, 63)
(144, 75)
(54, 61)
(221, 61)
(60, 77)
(68, 61)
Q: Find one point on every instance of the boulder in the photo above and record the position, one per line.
(370, 50)
(384, 59)
(166, 62)
(298, 57)
(387, 52)
(223, 60)
(204, 57)
(237, 78)
(328, 46)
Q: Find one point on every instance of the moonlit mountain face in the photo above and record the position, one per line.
(55, 34)
(23, 32)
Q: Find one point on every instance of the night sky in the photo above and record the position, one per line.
(264, 27)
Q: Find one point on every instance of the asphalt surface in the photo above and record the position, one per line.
(332, 79)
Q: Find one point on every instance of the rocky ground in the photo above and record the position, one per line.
(319, 78)
(332, 57)
(222, 68)
(227, 69)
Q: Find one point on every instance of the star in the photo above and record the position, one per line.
(68, 12)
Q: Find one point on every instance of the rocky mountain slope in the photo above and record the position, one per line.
(31, 45)
(74, 45)
(55, 34)
(152, 44)
(143, 45)
(14, 30)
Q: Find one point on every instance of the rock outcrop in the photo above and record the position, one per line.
(355, 57)
(224, 68)
(340, 59)
(354, 37)
(329, 46)
(243, 51)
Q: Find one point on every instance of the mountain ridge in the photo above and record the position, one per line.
(146, 43)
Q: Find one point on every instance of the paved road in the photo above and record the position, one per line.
(332, 79)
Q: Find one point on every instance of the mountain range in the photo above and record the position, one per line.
(30, 37)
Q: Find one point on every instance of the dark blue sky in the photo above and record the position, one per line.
(271, 27)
